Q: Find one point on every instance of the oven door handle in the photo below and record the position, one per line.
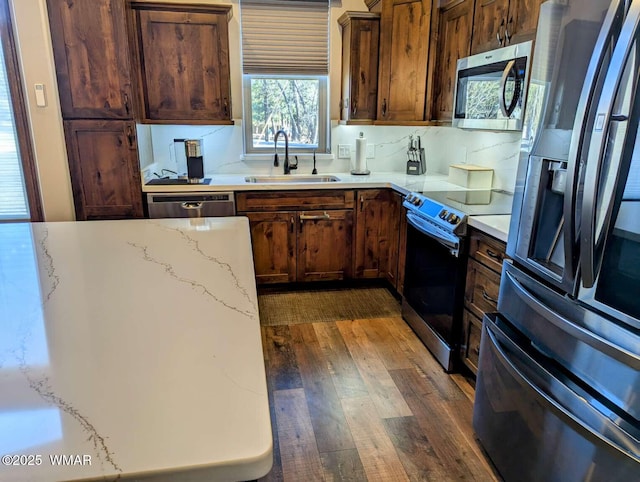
(447, 240)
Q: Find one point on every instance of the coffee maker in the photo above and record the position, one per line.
(195, 165)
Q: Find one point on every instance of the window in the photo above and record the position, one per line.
(285, 61)
(18, 180)
(289, 103)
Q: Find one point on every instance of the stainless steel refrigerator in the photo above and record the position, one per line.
(558, 387)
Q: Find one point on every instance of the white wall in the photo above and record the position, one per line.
(223, 144)
(36, 63)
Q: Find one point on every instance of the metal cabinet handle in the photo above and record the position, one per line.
(500, 38)
(361, 203)
(306, 217)
(507, 35)
(130, 137)
(488, 298)
(493, 255)
(354, 107)
(127, 108)
(384, 107)
(226, 107)
(293, 223)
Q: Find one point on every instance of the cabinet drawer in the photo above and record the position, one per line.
(470, 347)
(294, 200)
(487, 250)
(483, 286)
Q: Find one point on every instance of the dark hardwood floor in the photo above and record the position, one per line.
(363, 400)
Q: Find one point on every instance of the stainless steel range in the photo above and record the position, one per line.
(436, 263)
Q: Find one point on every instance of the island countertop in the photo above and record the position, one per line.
(134, 347)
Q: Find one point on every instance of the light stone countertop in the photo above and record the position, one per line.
(496, 226)
(135, 344)
(401, 182)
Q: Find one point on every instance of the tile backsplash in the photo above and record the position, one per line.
(222, 150)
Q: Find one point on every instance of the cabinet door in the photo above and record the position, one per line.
(105, 174)
(489, 25)
(373, 235)
(454, 42)
(482, 289)
(470, 344)
(405, 29)
(325, 245)
(395, 210)
(273, 238)
(184, 65)
(522, 20)
(360, 69)
(91, 54)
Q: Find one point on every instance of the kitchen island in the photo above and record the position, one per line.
(133, 349)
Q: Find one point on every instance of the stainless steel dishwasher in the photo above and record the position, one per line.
(191, 205)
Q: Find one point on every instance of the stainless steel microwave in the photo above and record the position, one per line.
(491, 89)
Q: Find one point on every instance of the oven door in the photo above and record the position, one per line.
(433, 291)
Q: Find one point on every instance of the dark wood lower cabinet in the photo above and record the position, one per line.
(292, 244)
(481, 292)
(470, 347)
(273, 236)
(105, 175)
(325, 238)
(324, 245)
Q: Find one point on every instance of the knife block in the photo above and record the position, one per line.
(416, 166)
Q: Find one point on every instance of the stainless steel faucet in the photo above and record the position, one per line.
(287, 165)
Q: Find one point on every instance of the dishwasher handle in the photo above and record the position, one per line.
(191, 205)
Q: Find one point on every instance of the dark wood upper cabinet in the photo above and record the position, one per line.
(360, 43)
(522, 21)
(489, 25)
(454, 42)
(182, 51)
(105, 175)
(405, 30)
(91, 55)
(498, 23)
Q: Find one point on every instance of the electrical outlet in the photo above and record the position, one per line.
(371, 151)
(344, 151)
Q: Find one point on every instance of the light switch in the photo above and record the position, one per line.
(41, 100)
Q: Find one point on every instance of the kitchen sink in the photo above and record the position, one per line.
(290, 179)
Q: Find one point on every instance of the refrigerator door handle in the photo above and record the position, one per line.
(610, 349)
(586, 106)
(621, 438)
(590, 239)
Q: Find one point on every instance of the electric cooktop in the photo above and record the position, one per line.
(475, 202)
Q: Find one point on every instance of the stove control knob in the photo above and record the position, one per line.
(453, 219)
(443, 214)
(416, 201)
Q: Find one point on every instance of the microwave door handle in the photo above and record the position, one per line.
(587, 104)
(590, 260)
(510, 68)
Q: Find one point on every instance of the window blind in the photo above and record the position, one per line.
(285, 37)
(13, 197)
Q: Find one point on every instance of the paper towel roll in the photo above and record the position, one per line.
(361, 154)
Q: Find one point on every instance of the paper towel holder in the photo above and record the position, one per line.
(361, 157)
